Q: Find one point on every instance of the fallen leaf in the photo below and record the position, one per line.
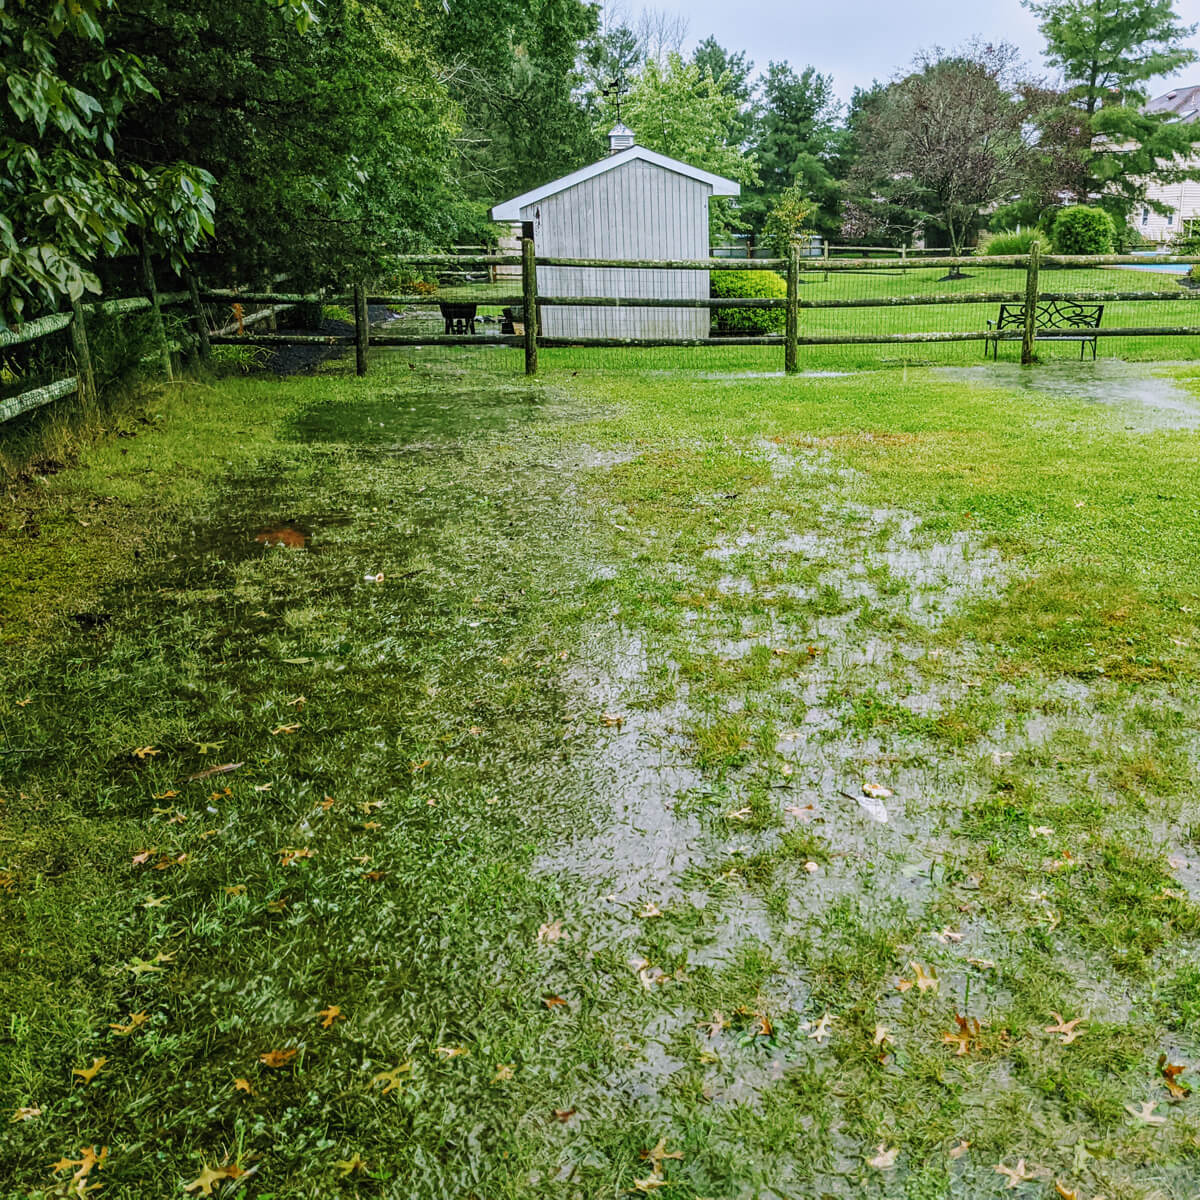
(209, 772)
(1170, 1073)
(23, 703)
(820, 1031)
(87, 1074)
(374, 876)
(1066, 1193)
(564, 1114)
(82, 1167)
(948, 936)
(552, 931)
(884, 1159)
(959, 1149)
(612, 719)
(1015, 1175)
(660, 1154)
(289, 857)
(203, 1183)
(235, 889)
(329, 1015)
(968, 1033)
(297, 702)
(715, 1024)
(262, 787)
(742, 814)
(134, 1021)
(882, 1036)
(985, 963)
(926, 980)
(277, 906)
(803, 813)
(1146, 1112)
(1067, 1029)
(144, 752)
(650, 910)
(243, 1085)
(276, 1059)
(451, 1051)
(503, 1071)
(170, 794)
(25, 1114)
(391, 1079)
(650, 1184)
(350, 1165)
(285, 729)
(876, 791)
(554, 1002)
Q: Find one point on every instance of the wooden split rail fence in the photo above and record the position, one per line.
(795, 266)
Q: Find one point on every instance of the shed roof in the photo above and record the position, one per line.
(510, 210)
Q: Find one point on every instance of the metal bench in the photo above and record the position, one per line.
(1054, 321)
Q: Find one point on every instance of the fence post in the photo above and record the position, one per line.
(83, 356)
(362, 335)
(1031, 296)
(529, 297)
(791, 357)
(198, 317)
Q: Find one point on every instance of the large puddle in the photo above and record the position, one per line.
(1149, 400)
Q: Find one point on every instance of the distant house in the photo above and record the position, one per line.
(634, 204)
(1183, 198)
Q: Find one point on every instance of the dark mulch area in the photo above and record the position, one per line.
(304, 360)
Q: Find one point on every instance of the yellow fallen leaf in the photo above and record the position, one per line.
(243, 1085)
(503, 1071)
(203, 1183)
(277, 1059)
(285, 729)
(87, 1074)
(926, 980)
(144, 752)
(392, 1079)
(451, 1051)
(329, 1015)
(350, 1165)
(134, 1021)
(25, 1114)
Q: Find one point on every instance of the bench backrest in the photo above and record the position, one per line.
(1053, 314)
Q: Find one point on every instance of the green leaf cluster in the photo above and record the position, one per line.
(728, 285)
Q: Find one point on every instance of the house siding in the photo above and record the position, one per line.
(638, 210)
(1184, 201)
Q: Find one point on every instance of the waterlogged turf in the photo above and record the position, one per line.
(443, 784)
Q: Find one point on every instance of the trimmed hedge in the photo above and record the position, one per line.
(1082, 229)
(733, 285)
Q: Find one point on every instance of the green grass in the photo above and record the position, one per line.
(642, 638)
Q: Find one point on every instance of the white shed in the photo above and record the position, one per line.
(634, 204)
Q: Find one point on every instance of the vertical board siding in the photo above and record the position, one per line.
(637, 210)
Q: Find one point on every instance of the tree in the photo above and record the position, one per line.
(945, 142)
(329, 151)
(1110, 145)
(678, 110)
(514, 67)
(796, 143)
(733, 75)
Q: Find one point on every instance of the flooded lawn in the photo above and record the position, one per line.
(724, 786)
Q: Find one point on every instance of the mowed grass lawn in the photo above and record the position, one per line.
(649, 778)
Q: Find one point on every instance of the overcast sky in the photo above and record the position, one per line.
(857, 41)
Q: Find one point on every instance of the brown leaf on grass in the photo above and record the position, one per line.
(285, 729)
(884, 1159)
(926, 980)
(959, 1149)
(133, 1021)
(1066, 1193)
(819, 1031)
(1170, 1073)
(1015, 1175)
(243, 1085)
(142, 857)
(329, 1015)
(25, 1114)
(1066, 1029)
(87, 1074)
(277, 1059)
(81, 1167)
(882, 1036)
(715, 1024)
(650, 1184)
(660, 1154)
(26, 701)
(564, 1114)
(374, 876)
(209, 772)
(612, 720)
(554, 1002)
(350, 1165)
(551, 931)
(968, 1033)
(203, 1183)
(277, 906)
(804, 812)
(288, 857)
(392, 1079)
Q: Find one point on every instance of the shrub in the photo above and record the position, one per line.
(1082, 229)
(730, 285)
(787, 221)
(1014, 241)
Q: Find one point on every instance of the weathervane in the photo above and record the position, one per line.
(615, 90)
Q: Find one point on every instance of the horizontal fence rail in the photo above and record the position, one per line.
(516, 295)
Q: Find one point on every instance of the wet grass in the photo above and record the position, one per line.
(568, 814)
